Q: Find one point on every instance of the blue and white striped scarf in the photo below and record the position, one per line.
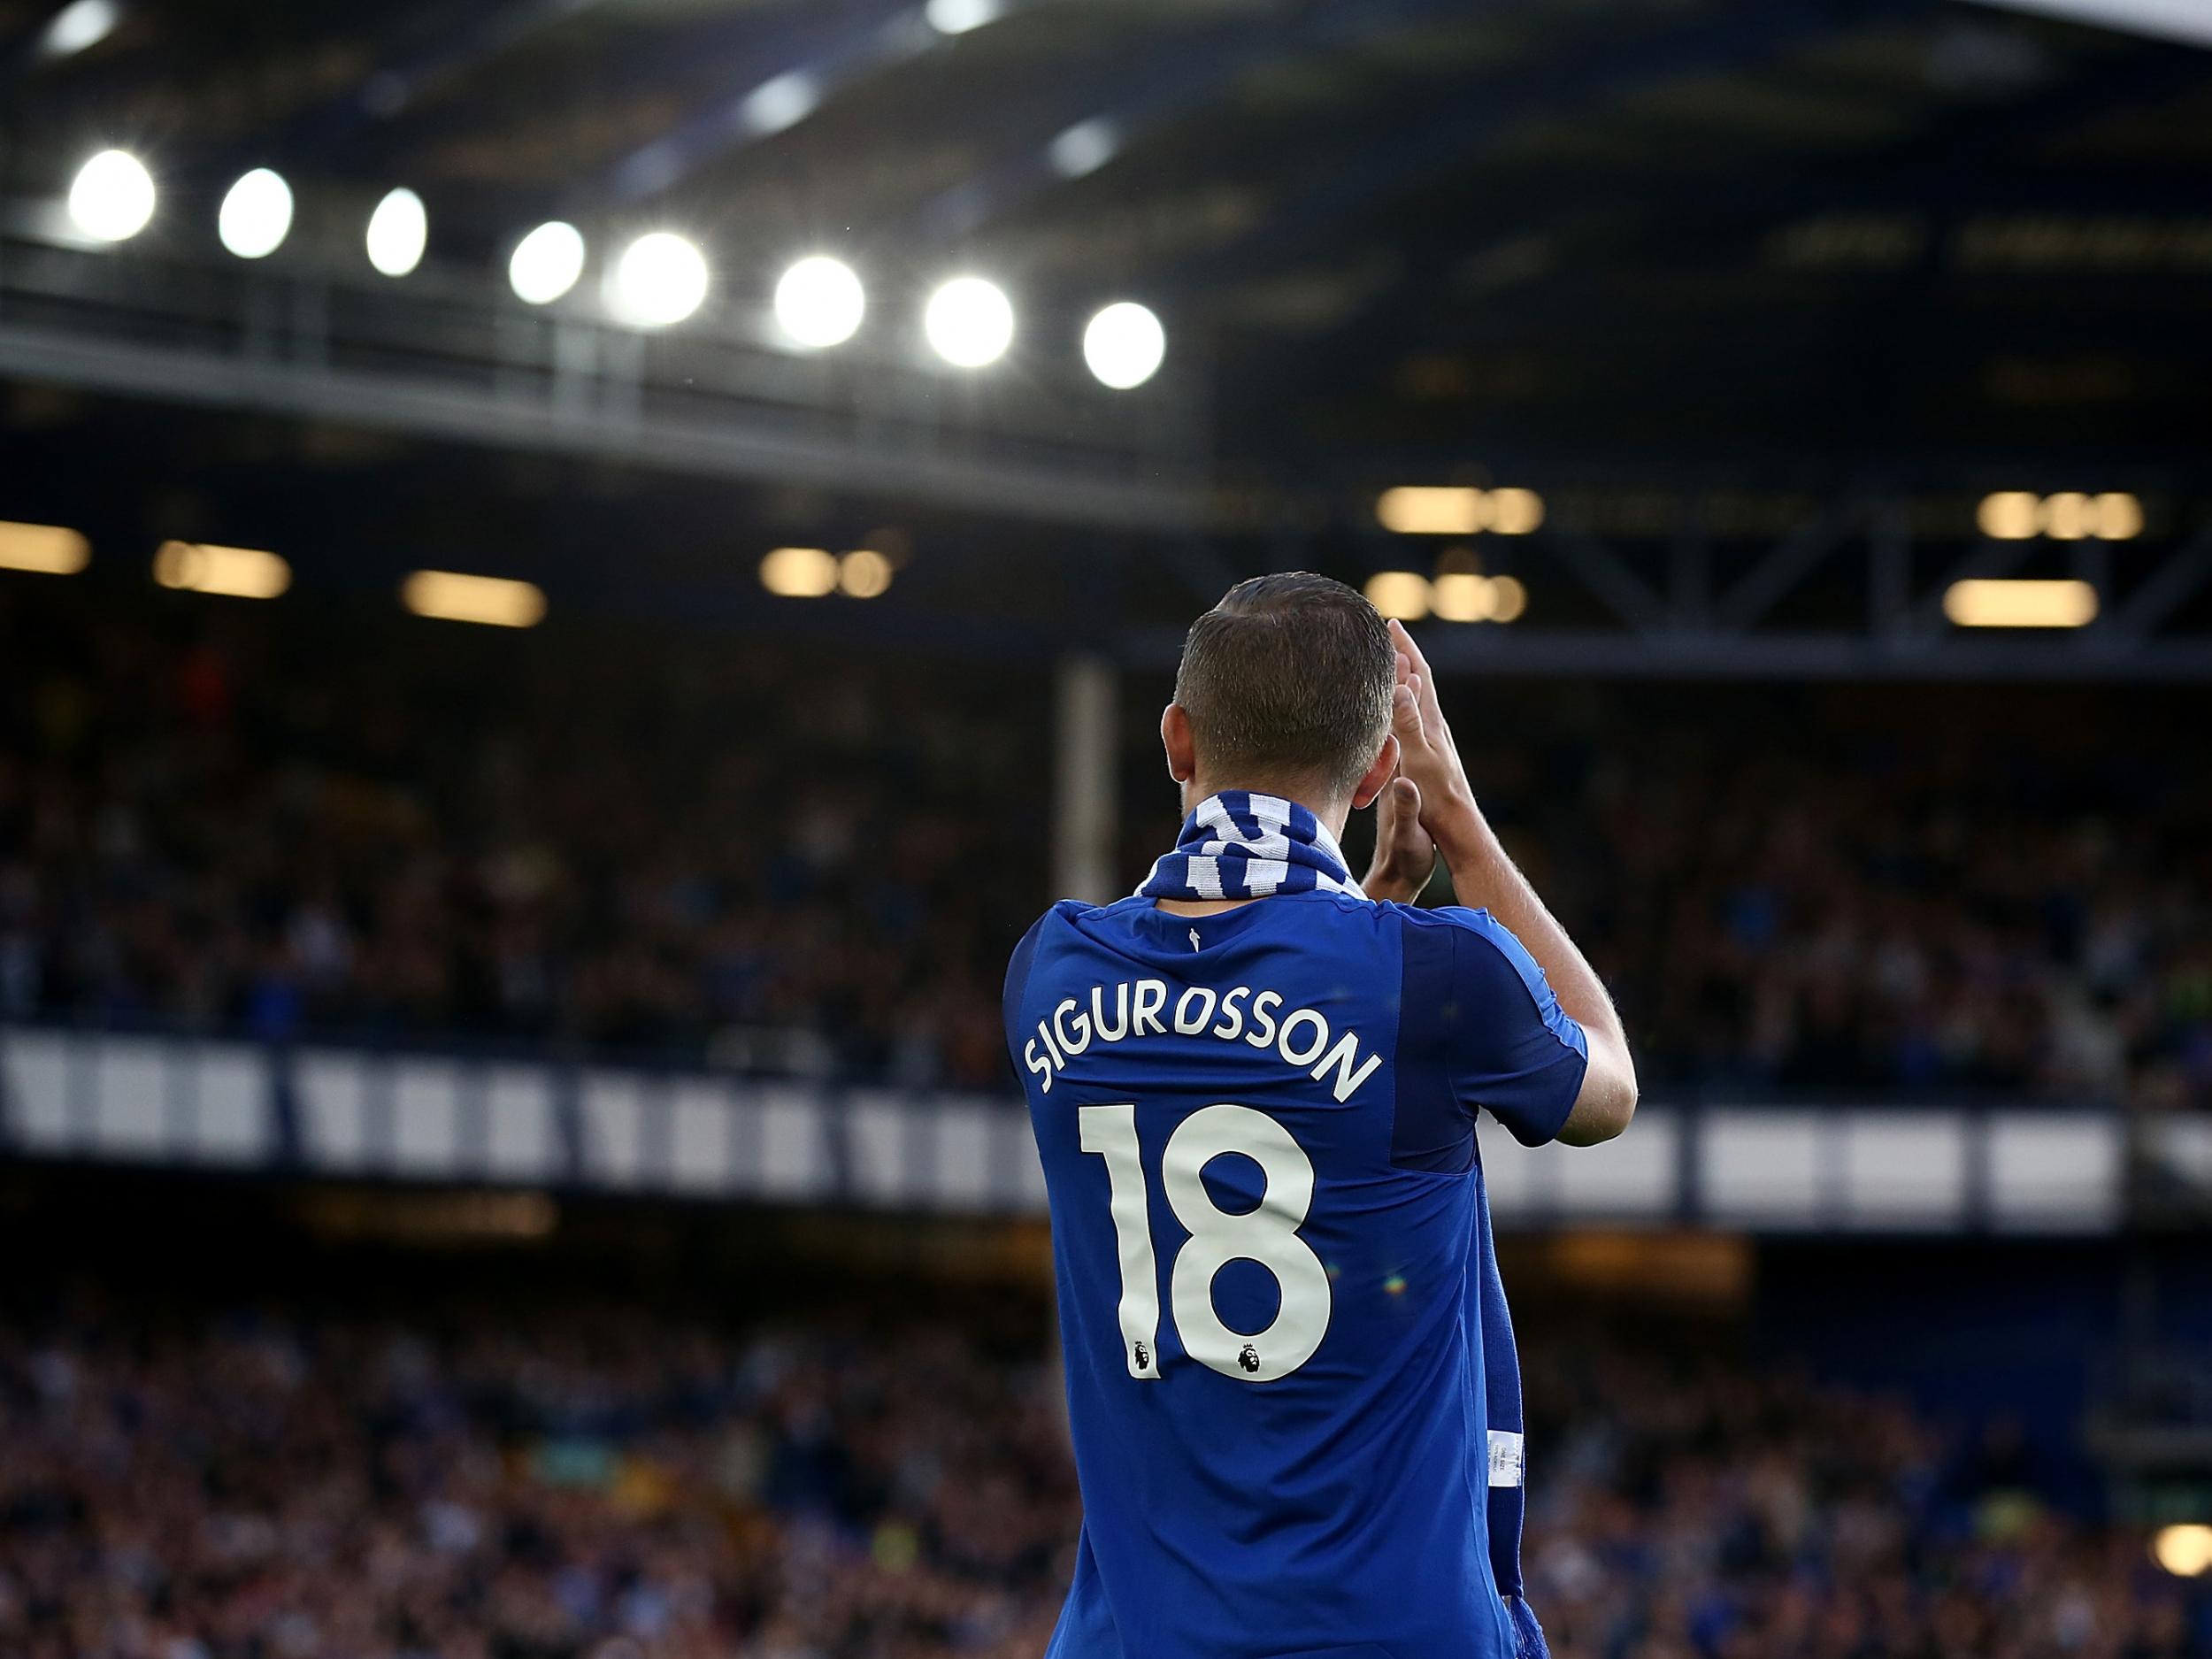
(1238, 845)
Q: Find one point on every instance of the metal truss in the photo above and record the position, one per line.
(459, 364)
(1884, 618)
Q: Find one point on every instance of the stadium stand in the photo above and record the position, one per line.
(571, 1480)
(640, 847)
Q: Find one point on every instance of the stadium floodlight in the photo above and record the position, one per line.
(398, 232)
(1083, 149)
(78, 26)
(237, 573)
(1124, 345)
(493, 602)
(44, 549)
(820, 302)
(256, 215)
(2171, 19)
(547, 263)
(661, 279)
(778, 104)
(970, 322)
(958, 17)
(112, 196)
(1403, 595)
(1507, 599)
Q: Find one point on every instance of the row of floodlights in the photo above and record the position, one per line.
(659, 280)
(2021, 515)
(243, 572)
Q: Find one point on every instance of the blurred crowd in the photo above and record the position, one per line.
(1855, 889)
(608, 1486)
(1715, 1511)
(755, 853)
(582, 1486)
(770, 856)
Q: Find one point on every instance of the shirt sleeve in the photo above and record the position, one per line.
(1497, 1034)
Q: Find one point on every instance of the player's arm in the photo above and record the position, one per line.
(1484, 876)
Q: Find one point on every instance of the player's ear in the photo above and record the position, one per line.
(1379, 775)
(1182, 756)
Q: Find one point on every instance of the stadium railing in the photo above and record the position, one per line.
(353, 1113)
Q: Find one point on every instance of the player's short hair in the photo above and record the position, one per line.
(1289, 680)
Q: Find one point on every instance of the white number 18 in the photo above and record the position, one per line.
(1267, 1233)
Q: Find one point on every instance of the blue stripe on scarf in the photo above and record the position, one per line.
(1239, 845)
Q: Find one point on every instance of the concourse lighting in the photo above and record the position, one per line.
(970, 322)
(256, 215)
(819, 303)
(2184, 1550)
(44, 550)
(78, 26)
(2008, 515)
(1403, 595)
(112, 196)
(799, 572)
(2116, 516)
(661, 279)
(1508, 599)
(2021, 515)
(2065, 516)
(1463, 596)
(1993, 603)
(863, 574)
(546, 262)
(1516, 511)
(1424, 509)
(1124, 345)
(237, 573)
(1458, 509)
(958, 17)
(493, 601)
(398, 231)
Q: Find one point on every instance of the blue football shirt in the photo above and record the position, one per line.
(1257, 1134)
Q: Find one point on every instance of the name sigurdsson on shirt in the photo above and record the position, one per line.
(1301, 1037)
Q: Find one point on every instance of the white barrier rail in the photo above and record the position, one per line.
(361, 1114)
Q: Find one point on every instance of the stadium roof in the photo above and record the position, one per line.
(1792, 244)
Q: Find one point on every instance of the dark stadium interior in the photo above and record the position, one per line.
(507, 1143)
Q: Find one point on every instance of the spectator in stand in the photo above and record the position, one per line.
(718, 854)
(589, 1484)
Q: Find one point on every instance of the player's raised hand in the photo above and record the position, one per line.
(1405, 853)
(1428, 758)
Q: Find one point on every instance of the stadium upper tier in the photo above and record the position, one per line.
(299, 824)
